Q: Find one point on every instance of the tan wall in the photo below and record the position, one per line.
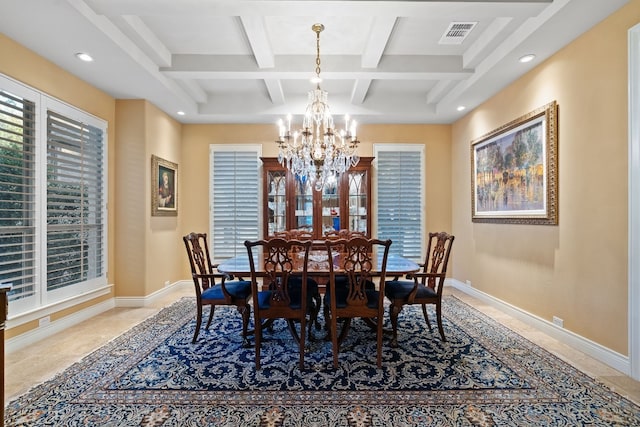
(146, 246)
(578, 269)
(195, 157)
(163, 264)
(25, 66)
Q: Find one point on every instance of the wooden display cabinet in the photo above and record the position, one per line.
(290, 203)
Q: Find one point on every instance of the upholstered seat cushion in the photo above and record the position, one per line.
(342, 293)
(400, 289)
(294, 293)
(239, 289)
(294, 289)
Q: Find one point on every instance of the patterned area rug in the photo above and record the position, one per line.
(484, 375)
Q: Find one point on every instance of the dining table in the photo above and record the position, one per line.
(318, 264)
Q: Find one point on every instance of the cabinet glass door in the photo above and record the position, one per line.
(276, 201)
(330, 207)
(358, 192)
(303, 204)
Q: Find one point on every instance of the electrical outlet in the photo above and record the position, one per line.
(468, 282)
(167, 283)
(558, 321)
(44, 321)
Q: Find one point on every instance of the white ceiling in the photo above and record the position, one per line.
(236, 61)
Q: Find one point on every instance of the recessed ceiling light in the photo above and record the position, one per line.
(84, 57)
(461, 108)
(181, 113)
(527, 58)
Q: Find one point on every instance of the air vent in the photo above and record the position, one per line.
(457, 32)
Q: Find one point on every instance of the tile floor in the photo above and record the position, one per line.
(38, 362)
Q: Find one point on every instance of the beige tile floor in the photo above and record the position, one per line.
(38, 362)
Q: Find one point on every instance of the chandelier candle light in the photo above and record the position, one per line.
(315, 152)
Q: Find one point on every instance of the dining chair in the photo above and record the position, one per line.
(424, 287)
(282, 295)
(295, 234)
(355, 259)
(343, 233)
(341, 279)
(314, 300)
(212, 293)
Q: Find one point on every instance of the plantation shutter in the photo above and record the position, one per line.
(17, 195)
(235, 203)
(75, 197)
(400, 204)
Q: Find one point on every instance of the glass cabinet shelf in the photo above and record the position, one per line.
(291, 203)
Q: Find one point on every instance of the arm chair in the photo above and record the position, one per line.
(285, 268)
(424, 287)
(210, 293)
(355, 259)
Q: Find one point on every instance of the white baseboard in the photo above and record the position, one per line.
(148, 300)
(578, 342)
(59, 325)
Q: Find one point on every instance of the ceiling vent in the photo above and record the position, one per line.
(457, 32)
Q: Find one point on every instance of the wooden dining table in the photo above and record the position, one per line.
(318, 264)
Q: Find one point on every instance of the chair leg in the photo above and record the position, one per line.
(211, 310)
(379, 339)
(426, 316)
(258, 343)
(334, 340)
(302, 342)
(245, 311)
(293, 331)
(318, 302)
(326, 317)
(394, 310)
(439, 316)
(313, 310)
(345, 330)
(198, 323)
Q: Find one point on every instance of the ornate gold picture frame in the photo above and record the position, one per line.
(514, 171)
(164, 187)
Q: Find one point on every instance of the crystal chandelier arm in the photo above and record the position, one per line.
(317, 155)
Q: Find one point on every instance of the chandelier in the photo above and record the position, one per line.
(316, 152)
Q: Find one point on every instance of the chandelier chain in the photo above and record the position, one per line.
(316, 153)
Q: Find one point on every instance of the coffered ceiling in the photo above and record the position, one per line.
(239, 61)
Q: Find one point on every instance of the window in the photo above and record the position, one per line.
(234, 199)
(52, 199)
(400, 197)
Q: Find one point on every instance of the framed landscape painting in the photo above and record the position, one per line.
(514, 171)
(164, 187)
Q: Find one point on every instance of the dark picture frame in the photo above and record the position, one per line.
(514, 171)
(164, 187)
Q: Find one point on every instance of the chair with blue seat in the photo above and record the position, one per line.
(314, 300)
(424, 287)
(281, 295)
(357, 260)
(214, 288)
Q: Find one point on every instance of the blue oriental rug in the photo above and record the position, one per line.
(484, 375)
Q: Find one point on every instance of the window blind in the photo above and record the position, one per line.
(235, 203)
(17, 195)
(75, 197)
(399, 182)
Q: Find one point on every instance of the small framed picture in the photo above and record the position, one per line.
(164, 185)
(514, 171)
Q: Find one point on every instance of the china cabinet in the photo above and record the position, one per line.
(291, 203)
